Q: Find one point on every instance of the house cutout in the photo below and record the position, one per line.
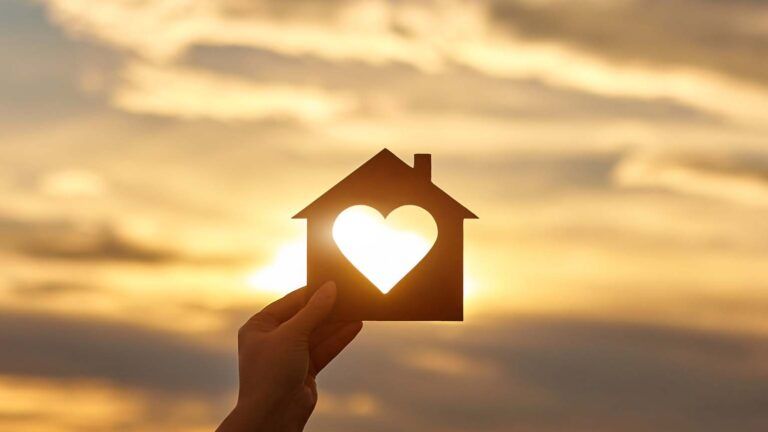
(433, 289)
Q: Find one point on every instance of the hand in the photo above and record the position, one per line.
(281, 351)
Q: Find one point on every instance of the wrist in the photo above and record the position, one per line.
(255, 401)
(244, 417)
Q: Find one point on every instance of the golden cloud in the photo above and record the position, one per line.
(189, 93)
(429, 35)
(348, 405)
(73, 183)
(450, 363)
(729, 184)
(77, 405)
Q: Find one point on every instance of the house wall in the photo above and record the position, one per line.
(431, 291)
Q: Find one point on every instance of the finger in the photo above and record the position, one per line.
(323, 332)
(331, 347)
(316, 310)
(280, 310)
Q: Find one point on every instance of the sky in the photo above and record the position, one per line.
(152, 154)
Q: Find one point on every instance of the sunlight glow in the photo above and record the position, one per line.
(384, 250)
(470, 286)
(286, 272)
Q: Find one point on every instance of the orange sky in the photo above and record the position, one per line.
(153, 153)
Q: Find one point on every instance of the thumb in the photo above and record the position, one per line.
(315, 311)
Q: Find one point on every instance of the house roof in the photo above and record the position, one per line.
(386, 161)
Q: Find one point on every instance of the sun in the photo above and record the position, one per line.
(286, 271)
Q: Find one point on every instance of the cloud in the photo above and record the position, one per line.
(352, 405)
(36, 404)
(529, 110)
(444, 362)
(74, 405)
(562, 374)
(163, 30)
(45, 290)
(194, 94)
(429, 35)
(132, 356)
(393, 89)
(639, 31)
(104, 244)
(87, 240)
(716, 178)
(588, 72)
(549, 373)
(73, 183)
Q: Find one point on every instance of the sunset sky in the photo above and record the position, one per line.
(152, 154)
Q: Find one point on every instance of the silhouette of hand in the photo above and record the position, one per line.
(281, 351)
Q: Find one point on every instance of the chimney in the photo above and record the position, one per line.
(422, 164)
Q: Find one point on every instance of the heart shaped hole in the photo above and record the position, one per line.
(384, 250)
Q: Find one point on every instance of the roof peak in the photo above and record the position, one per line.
(386, 159)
